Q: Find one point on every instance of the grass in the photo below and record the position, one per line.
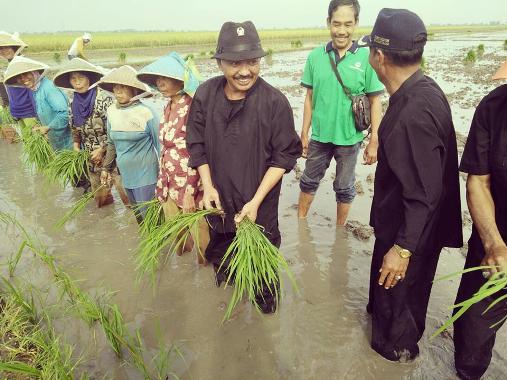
(122, 58)
(495, 284)
(172, 235)
(68, 166)
(471, 56)
(37, 151)
(480, 50)
(77, 208)
(254, 266)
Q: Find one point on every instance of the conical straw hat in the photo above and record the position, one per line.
(501, 73)
(7, 39)
(20, 65)
(125, 75)
(62, 78)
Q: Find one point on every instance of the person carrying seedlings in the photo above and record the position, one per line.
(51, 102)
(335, 75)
(77, 48)
(484, 159)
(19, 99)
(132, 137)
(88, 121)
(242, 140)
(416, 203)
(178, 186)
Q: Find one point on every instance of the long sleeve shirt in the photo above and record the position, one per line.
(52, 111)
(416, 197)
(240, 140)
(133, 133)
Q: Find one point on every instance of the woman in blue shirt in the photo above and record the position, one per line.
(132, 129)
(50, 102)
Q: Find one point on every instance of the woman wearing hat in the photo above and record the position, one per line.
(88, 120)
(132, 129)
(178, 185)
(20, 99)
(50, 102)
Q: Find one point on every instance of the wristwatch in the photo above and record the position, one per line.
(404, 253)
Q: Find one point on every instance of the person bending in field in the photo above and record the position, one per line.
(132, 137)
(241, 138)
(179, 186)
(88, 121)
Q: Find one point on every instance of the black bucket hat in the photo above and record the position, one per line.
(396, 30)
(239, 41)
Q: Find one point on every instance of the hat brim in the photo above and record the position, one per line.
(151, 78)
(63, 79)
(501, 73)
(240, 55)
(11, 81)
(108, 86)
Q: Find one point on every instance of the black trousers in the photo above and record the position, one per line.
(218, 245)
(473, 336)
(399, 314)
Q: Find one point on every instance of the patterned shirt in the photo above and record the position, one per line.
(175, 176)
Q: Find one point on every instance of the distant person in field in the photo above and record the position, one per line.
(77, 48)
(88, 122)
(19, 99)
(241, 139)
(132, 137)
(179, 187)
(50, 102)
(485, 161)
(328, 110)
(416, 207)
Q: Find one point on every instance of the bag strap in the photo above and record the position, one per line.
(335, 69)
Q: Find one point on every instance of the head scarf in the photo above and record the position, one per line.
(83, 105)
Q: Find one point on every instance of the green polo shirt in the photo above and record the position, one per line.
(332, 119)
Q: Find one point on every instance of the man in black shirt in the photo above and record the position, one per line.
(416, 204)
(242, 140)
(485, 161)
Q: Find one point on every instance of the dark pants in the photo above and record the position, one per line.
(399, 314)
(218, 245)
(473, 336)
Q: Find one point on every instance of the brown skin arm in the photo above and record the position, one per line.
(307, 121)
(370, 152)
(482, 208)
(210, 195)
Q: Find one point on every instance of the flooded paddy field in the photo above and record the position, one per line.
(320, 333)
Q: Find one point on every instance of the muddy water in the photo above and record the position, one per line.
(322, 332)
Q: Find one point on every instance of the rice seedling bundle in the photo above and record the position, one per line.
(496, 283)
(153, 217)
(254, 266)
(78, 207)
(172, 234)
(68, 166)
(37, 151)
(6, 117)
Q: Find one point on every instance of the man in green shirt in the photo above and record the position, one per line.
(328, 110)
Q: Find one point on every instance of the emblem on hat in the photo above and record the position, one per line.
(240, 31)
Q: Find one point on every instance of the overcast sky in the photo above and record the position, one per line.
(106, 15)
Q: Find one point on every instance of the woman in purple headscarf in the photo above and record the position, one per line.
(88, 121)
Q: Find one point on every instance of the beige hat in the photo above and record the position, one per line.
(20, 65)
(501, 73)
(125, 75)
(62, 78)
(7, 39)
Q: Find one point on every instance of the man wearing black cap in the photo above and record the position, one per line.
(416, 204)
(241, 138)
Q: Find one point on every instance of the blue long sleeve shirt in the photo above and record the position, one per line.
(52, 110)
(133, 131)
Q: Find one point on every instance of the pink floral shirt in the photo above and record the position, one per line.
(175, 177)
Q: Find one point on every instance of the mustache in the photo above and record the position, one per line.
(240, 77)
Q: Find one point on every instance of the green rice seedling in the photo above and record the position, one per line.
(68, 166)
(17, 296)
(154, 216)
(496, 283)
(36, 150)
(505, 45)
(471, 56)
(424, 65)
(254, 265)
(172, 234)
(480, 50)
(78, 207)
(122, 58)
(6, 117)
(113, 326)
(57, 57)
(14, 259)
(19, 368)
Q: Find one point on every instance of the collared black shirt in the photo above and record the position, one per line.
(486, 153)
(416, 201)
(240, 140)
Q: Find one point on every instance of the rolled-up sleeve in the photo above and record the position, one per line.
(195, 133)
(285, 144)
